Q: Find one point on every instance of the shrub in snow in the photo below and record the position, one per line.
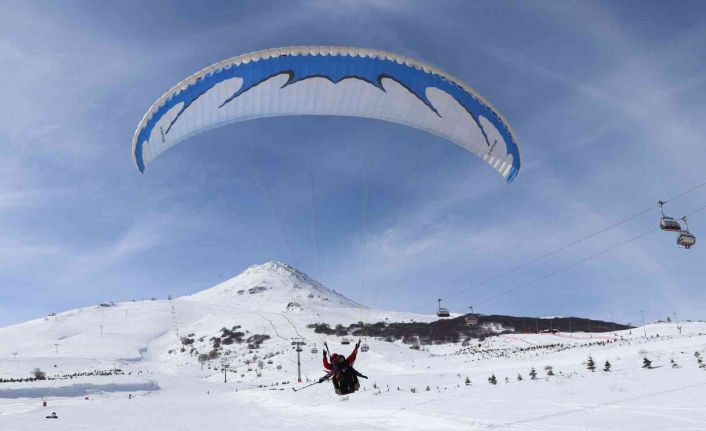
(549, 369)
(590, 364)
(468, 381)
(646, 363)
(493, 380)
(674, 364)
(519, 377)
(533, 373)
(428, 388)
(39, 374)
(606, 366)
(413, 390)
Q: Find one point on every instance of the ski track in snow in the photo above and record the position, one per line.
(170, 391)
(609, 404)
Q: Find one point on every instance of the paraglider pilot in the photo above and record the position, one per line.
(341, 372)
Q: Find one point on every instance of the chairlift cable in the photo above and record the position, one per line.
(573, 243)
(576, 263)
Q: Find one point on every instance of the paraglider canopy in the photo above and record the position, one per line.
(325, 80)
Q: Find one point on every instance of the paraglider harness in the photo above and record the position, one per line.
(343, 376)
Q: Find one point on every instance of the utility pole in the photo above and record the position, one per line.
(56, 348)
(225, 373)
(536, 322)
(524, 324)
(590, 332)
(612, 320)
(643, 323)
(571, 330)
(676, 322)
(298, 343)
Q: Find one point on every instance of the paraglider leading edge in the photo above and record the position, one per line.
(335, 64)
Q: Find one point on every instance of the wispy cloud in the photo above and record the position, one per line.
(609, 117)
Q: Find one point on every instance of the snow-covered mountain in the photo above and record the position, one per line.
(274, 285)
(170, 354)
(273, 298)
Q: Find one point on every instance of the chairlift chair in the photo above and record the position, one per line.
(314, 350)
(667, 223)
(441, 311)
(345, 341)
(472, 318)
(364, 348)
(685, 239)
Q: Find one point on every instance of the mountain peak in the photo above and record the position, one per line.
(274, 285)
(273, 266)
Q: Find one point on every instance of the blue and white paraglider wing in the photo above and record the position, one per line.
(328, 81)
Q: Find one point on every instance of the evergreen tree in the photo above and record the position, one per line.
(549, 369)
(428, 388)
(468, 381)
(519, 377)
(590, 364)
(533, 374)
(646, 363)
(493, 380)
(39, 374)
(606, 366)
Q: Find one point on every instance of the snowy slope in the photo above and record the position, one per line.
(170, 389)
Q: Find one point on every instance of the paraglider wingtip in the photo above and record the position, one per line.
(511, 176)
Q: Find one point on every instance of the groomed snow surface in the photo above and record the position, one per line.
(159, 390)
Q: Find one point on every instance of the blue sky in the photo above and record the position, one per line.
(606, 99)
